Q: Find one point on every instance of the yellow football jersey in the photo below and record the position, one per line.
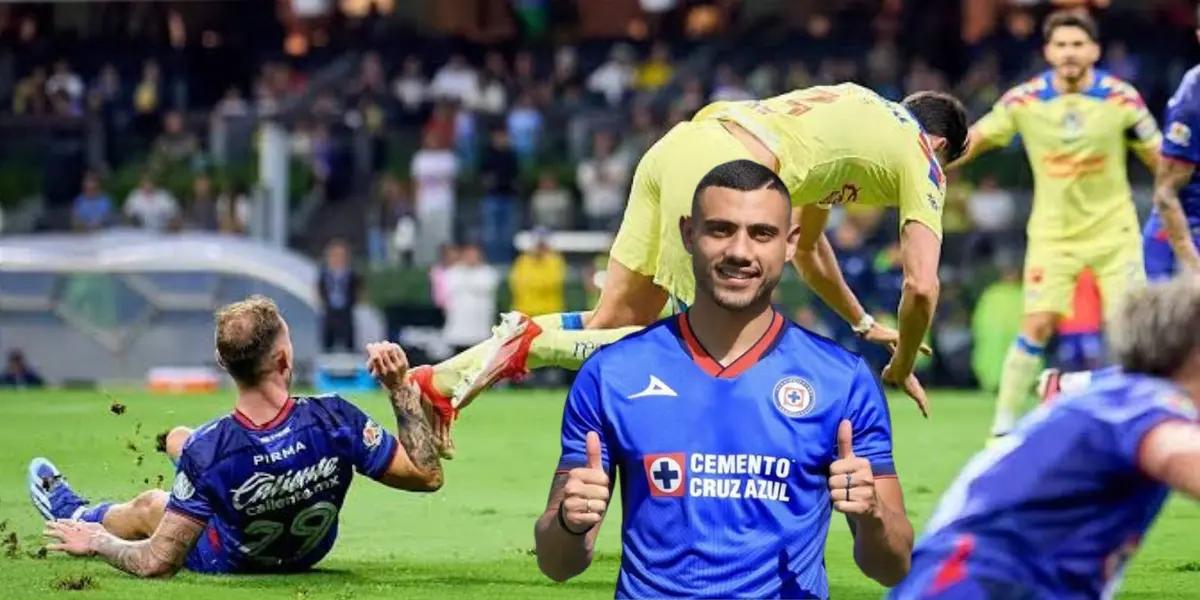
(845, 144)
(1076, 144)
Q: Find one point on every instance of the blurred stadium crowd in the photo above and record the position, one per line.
(428, 134)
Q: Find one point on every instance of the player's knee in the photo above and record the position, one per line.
(175, 440)
(149, 506)
(1039, 328)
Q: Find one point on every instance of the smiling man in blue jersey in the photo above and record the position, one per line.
(1056, 508)
(734, 433)
(260, 489)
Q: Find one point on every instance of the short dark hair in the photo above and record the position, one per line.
(942, 115)
(1070, 18)
(742, 175)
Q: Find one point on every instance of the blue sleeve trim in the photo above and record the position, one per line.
(883, 468)
(572, 321)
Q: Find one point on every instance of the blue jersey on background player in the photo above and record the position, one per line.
(1181, 142)
(1056, 508)
(269, 495)
(723, 470)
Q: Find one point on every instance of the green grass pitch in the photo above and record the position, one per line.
(472, 539)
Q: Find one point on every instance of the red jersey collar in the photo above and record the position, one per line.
(748, 359)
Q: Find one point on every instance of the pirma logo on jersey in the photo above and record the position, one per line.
(794, 396)
(372, 434)
(665, 474)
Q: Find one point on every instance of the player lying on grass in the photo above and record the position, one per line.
(1057, 507)
(1077, 124)
(831, 145)
(258, 490)
(735, 433)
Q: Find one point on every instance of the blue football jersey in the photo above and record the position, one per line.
(270, 495)
(1180, 144)
(1058, 506)
(723, 470)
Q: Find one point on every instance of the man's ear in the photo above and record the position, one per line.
(686, 228)
(793, 240)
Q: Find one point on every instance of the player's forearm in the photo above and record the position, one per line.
(416, 435)
(819, 269)
(561, 555)
(140, 558)
(918, 300)
(883, 546)
(1166, 201)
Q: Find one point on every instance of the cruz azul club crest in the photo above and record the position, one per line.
(794, 396)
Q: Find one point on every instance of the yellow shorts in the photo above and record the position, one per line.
(1052, 270)
(663, 184)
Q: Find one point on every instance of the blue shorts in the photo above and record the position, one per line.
(958, 574)
(1156, 248)
(209, 555)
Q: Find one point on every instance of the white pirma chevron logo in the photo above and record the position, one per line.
(656, 388)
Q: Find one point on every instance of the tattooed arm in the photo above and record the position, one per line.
(416, 465)
(161, 555)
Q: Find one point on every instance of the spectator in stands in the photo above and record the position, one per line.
(66, 81)
(338, 289)
(525, 127)
(494, 85)
(604, 180)
(233, 209)
(391, 235)
(729, 86)
(434, 172)
(411, 88)
(499, 170)
(151, 207)
(438, 290)
(200, 212)
(692, 98)
(657, 70)
(29, 96)
(92, 208)
(538, 277)
(18, 373)
(175, 144)
(471, 286)
(456, 80)
(614, 78)
(147, 99)
(232, 105)
(550, 206)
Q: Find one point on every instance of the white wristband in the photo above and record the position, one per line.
(864, 325)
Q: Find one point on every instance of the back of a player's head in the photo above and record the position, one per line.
(942, 115)
(247, 333)
(1070, 18)
(742, 175)
(1155, 331)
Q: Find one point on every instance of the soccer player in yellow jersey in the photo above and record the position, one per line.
(1076, 123)
(830, 145)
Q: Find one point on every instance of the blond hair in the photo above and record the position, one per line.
(1158, 328)
(246, 333)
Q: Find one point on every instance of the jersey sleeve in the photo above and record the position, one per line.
(371, 446)
(1141, 131)
(1128, 430)
(872, 423)
(998, 127)
(188, 493)
(581, 414)
(1177, 142)
(922, 188)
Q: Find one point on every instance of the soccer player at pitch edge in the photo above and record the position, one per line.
(258, 490)
(1056, 508)
(831, 145)
(1076, 122)
(1171, 237)
(734, 432)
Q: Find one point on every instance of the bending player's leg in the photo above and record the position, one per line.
(54, 498)
(1022, 364)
